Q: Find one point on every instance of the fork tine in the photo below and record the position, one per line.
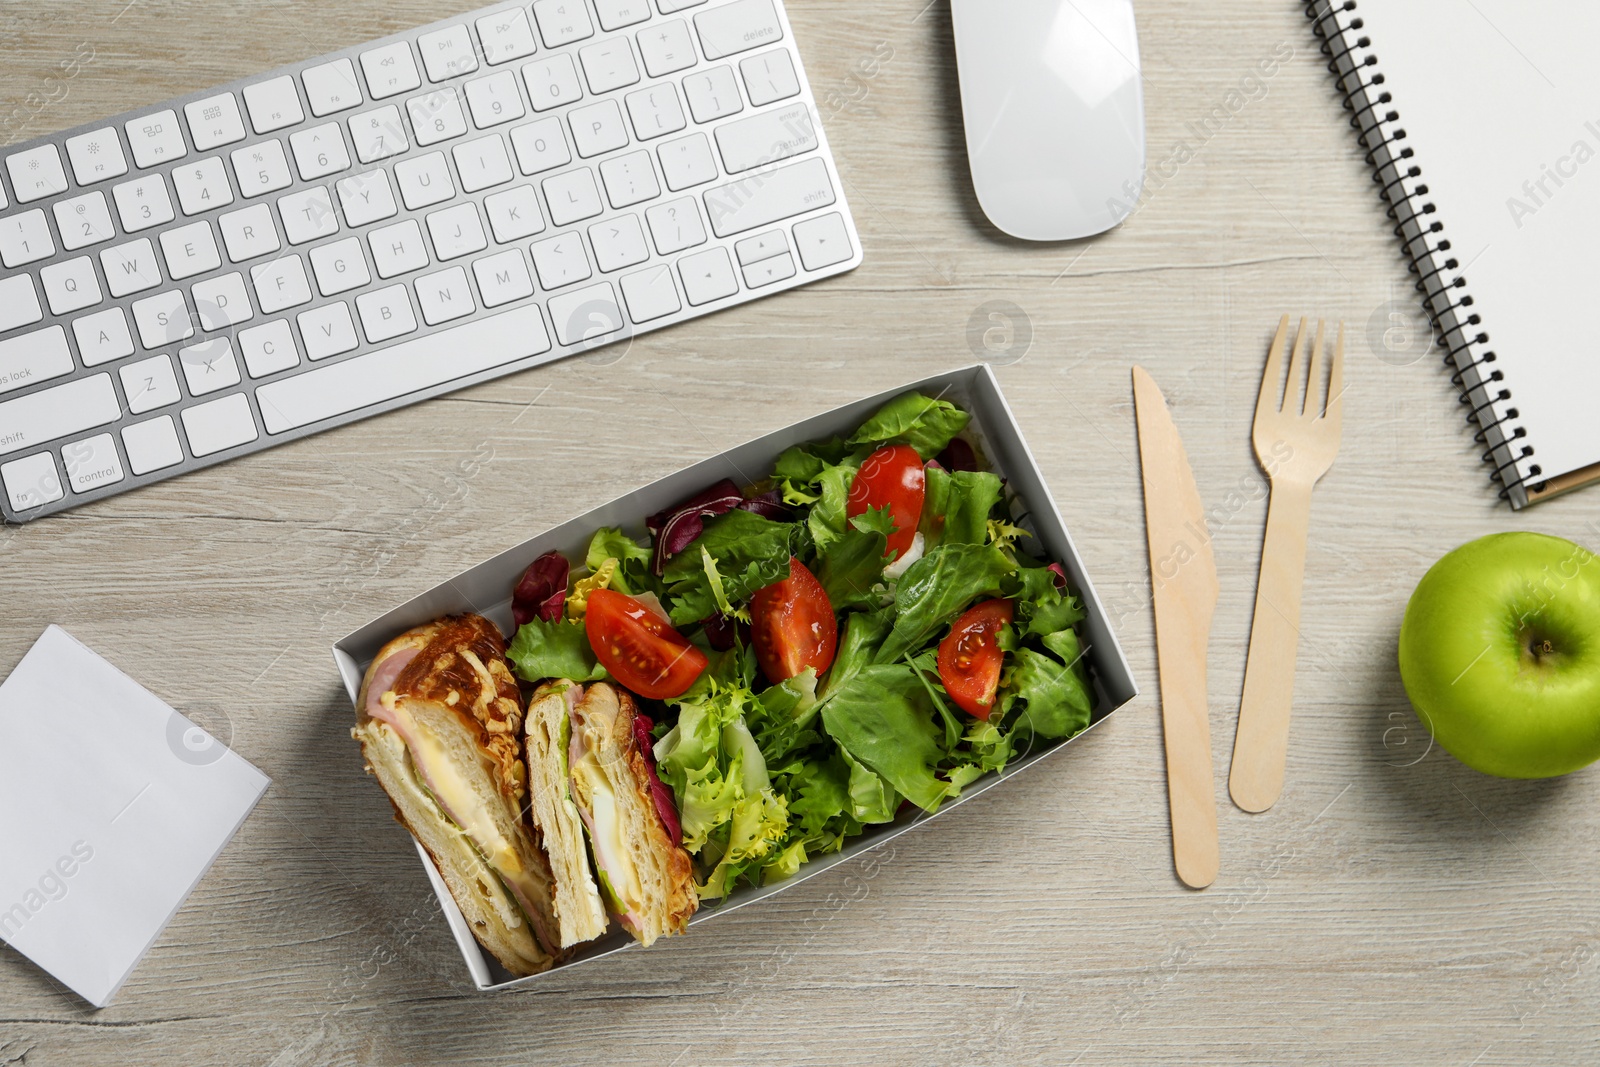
(1311, 405)
(1267, 399)
(1297, 371)
(1335, 407)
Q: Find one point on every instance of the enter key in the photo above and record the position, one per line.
(766, 138)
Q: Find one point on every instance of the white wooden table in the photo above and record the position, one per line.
(1394, 907)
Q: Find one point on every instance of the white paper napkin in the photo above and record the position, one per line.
(112, 807)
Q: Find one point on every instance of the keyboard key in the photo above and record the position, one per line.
(92, 463)
(155, 139)
(190, 250)
(514, 214)
(502, 278)
(273, 104)
(560, 261)
(737, 27)
(339, 266)
(202, 186)
(615, 14)
(378, 134)
(540, 146)
(437, 116)
(630, 179)
(328, 331)
(448, 52)
(687, 161)
(36, 418)
(766, 138)
(650, 293)
(331, 87)
(597, 128)
(96, 156)
(398, 249)
(307, 215)
(769, 77)
(261, 168)
(209, 366)
(390, 70)
(823, 241)
(768, 271)
(149, 384)
(766, 198)
(219, 425)
(143, 203)
(83, 221)
(572, 196)
(366, 197)
(221, 302)
(152, 446)
(25, 238)
(319, 151)
(676, 225)
(102, 337)
(608, 65)
(214, 122)
(406, 368)
(618, 243)
(424, 181)
(562, 21)
(130, 268)
(444, 296)
(713, 94)
(280, 284)
(385, 313)
(32, 482)
(707, 276)
(162, 319)
(268, 348)
(669, 7)
(249, 233)
(655, 111)
(456, 231)
(19, 302)
(761, 246)
(667, 48)
(494, 100)
(70, 286)
(33, 358)
(552, 82)
(506, 35)
(482, 163)
(587, 316)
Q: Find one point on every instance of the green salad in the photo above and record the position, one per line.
(864, 630)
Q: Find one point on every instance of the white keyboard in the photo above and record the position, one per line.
(252, 264)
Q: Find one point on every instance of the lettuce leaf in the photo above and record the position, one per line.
(746, 552)
(912, 419)
(936, 588)
(556, 649)
(882, 717)
(864, 631)
(703, 761)
(1056, 695)
(851, 568)
(757, 825)
(632, 575)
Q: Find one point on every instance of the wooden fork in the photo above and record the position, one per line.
(1296, 437)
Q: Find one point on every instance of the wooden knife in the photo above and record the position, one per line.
(1183, 575)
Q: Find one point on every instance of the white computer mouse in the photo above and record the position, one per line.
(1054, 111)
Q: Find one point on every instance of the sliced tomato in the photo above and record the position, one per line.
(970, 655)
(640, 648)
(891, 477)
(793, 626)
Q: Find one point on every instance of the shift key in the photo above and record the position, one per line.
(764, 198)
(33, 358)
(51, 413)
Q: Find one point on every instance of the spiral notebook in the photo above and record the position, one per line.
(1481, 120)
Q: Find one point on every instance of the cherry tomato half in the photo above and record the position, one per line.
(793, 626)
(970, 655)
(640, 649)
(891, 477)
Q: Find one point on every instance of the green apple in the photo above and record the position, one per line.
(1500, 654)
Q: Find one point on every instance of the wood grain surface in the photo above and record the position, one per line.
(1393, 907)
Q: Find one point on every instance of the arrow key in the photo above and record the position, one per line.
(707, 276)
(823, 241)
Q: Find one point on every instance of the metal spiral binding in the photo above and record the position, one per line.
(1447, 306)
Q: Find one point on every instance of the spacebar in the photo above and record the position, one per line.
(404, 368)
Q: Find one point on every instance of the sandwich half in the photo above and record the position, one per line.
(440, 722)
(645, 873)
(581, 914)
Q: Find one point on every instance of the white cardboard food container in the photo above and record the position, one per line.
(486, 589)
